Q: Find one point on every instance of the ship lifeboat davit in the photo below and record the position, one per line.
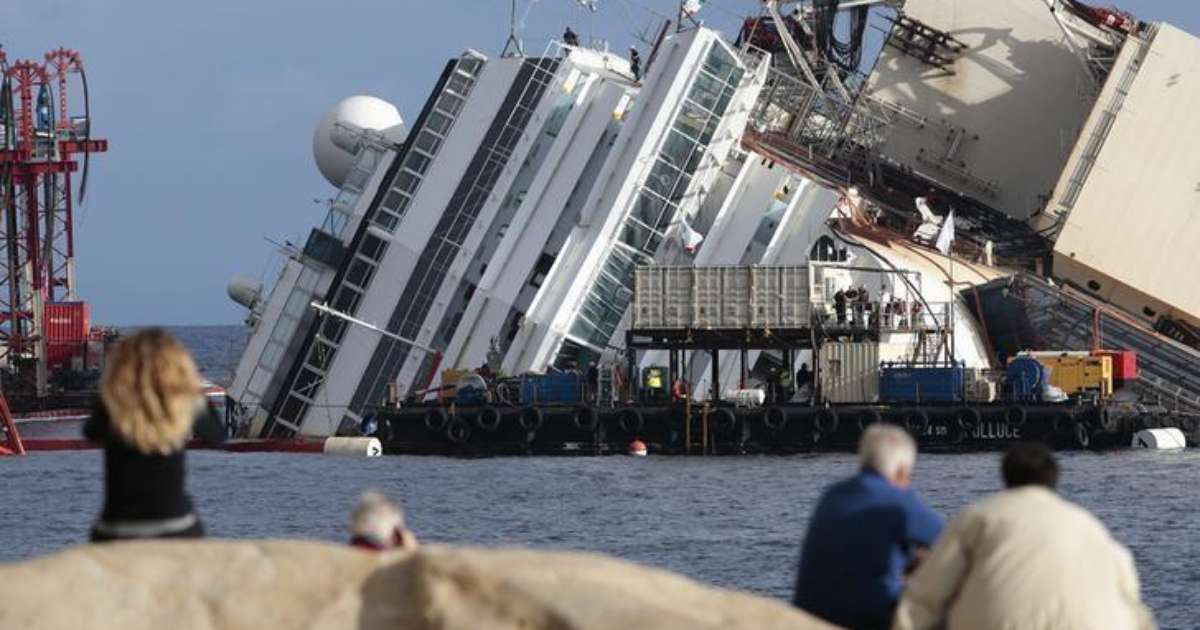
(637, 448)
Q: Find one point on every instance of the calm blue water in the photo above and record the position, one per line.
(734, 522)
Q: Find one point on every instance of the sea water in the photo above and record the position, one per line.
(735, 522)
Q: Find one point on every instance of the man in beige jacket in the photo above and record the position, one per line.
(1025, 559)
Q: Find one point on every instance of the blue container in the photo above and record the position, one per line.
(921, 383)
(1024, 379)
(550, 389)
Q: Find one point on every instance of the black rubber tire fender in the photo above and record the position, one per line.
(1083, 435)
(827, 420)
(867, 417)
(1016, 416)
(1105, 420)
(436, 419)
(488, 419)
(968, 419)
(775, 418)
(531, 419)
(585, 418)
(631, 420)
(916, 421)
(724, 420)
(458, 431)
(1063, 422)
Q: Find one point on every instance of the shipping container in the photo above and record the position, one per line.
(900, 383)
(647, 298)
(67, 328)
(721, 297)
(848, 372)
(67, 321)
(780, 297)
(555, 389)
(677, 297)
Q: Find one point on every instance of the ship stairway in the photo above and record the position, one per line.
(1025, 312)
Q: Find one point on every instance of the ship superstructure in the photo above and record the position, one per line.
(503, 227)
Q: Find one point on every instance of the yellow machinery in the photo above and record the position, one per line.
(450, 379)
(1076, 372)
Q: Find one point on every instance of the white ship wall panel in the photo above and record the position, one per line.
(546, 322)
(669, 83)
(1132, 236)
(350, 364)
(465, 264)
(512, 267)
(1018, 92)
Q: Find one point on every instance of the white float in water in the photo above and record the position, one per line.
(1159, 439)
(353, 446)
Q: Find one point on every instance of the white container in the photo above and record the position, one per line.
(779, 297)
(353, 446)
(746, 397)
(677, 297)
(1159, 439)
(647, 298)
(848, 372)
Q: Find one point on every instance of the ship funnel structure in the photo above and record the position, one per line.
(337, 136)
(245, 291)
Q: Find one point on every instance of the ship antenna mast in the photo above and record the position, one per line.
(513, 47)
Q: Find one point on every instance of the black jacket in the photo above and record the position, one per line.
(142, 487)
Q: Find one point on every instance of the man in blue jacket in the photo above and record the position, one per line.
(865, 535)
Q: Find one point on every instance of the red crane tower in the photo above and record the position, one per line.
(37, 249)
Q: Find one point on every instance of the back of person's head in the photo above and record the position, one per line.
(889, 451)
(1030, 464)
(378, 523)
(151, 391)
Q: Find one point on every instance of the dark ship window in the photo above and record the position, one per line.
(1149, 312)
(825, 250)
(1093, 285)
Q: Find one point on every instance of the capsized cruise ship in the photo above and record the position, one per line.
(504, 225)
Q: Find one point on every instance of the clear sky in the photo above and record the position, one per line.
(209, 109)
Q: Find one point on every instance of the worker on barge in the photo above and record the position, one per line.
(150, 400)
(867, 532)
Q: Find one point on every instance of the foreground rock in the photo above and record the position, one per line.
(223, 585)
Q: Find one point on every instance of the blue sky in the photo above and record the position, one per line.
(209, 109)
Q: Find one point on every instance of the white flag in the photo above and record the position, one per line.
(692, 7)
(945, 236)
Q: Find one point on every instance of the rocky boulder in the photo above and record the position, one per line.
(223, 585)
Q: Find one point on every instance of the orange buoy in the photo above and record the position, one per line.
(637, 448)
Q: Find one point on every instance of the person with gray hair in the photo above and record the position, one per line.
(377, 524)
(865, 535)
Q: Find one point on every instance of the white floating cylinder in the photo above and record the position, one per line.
(353, 446)
(746, 397)
(1159, 439)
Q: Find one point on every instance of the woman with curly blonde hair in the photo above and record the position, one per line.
(150, 397)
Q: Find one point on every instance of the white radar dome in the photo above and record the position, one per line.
(333, 154)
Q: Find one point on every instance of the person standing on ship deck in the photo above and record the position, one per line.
(635, 64)
(150, 400)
